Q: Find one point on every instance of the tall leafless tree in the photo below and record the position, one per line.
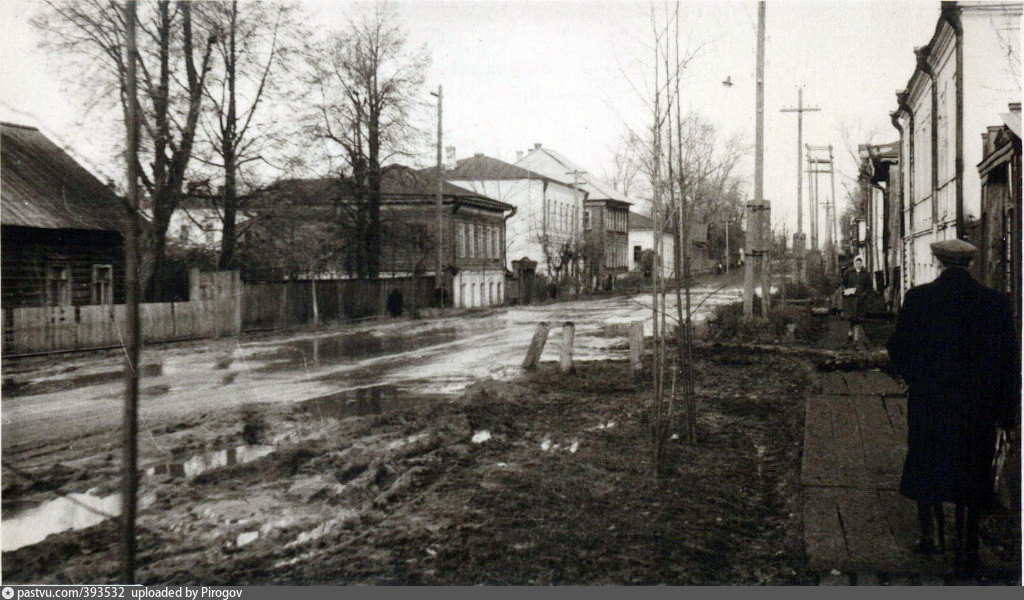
(253, 43)
(174, 60)
(364, 84)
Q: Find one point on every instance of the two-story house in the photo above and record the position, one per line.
(545, 226)
(965, 76)
(606, 213)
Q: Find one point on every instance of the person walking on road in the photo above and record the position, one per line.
(856, 285)
(956, 347)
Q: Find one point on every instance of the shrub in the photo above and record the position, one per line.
(727, 322)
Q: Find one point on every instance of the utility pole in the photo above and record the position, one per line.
(130, 427)
(813, 200)
(815, 169)
(834, 232)
(439, 275)
(799, 240)
(575, 194)
(754, 214)
(727, 247)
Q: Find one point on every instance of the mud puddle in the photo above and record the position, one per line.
(71, 512)
(197, 465)
(339, 349)
(363, 402)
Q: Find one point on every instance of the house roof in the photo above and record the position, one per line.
(485, 168)
(552, 164)
(399, 184)
(44, 187)
(638, 222)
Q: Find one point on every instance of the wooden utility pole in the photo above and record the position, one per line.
(439, 274)
(130, 427)
(800, 110)
(833, 230)
(727, 247)
(753, 260)
(575, 196)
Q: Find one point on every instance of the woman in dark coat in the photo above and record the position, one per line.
(856, 285)
(955, 346)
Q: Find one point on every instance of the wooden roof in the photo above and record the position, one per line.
(42, 186)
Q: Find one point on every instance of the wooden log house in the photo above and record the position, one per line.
(61, 227)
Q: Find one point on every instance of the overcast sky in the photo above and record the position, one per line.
(565, 74)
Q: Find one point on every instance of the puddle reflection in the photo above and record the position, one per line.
(71, 512)
(363, 402)
(197, 465)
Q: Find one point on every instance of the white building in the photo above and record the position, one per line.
(964, 78)
(548, 211)
(641, 239)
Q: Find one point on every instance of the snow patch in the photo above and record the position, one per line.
(481, 436)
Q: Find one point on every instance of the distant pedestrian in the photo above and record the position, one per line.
(718, 268)
(855, 285)
(395, 302)
(552, 290)
(956, 347)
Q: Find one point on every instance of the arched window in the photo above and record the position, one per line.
(462, 295)
(490, 293)
(472, 294)
(501, 299)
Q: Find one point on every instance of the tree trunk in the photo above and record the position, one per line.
(229, 236)
(373, 232)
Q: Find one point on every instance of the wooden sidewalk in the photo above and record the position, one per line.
(855, 521)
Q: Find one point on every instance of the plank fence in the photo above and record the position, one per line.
(277, 304)
(220, 304)
(213, 310)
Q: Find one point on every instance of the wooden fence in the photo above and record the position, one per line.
(214, 310)
(275, 304)
(220, 304)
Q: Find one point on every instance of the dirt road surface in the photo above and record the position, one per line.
(61, 414)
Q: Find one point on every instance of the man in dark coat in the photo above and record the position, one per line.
(956, 347)
(856, 285)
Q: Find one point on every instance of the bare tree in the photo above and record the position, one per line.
(253, 41)
(173, 64)
(364, 83)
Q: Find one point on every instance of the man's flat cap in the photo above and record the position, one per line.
(954, 251)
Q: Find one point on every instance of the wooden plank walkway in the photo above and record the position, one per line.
(855, 520)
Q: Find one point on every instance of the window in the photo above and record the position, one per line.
(183, 233)
(58, 285)
(460, 240)
(471, 243)
(490, 293)
(102, 284)
(637, 253)
(586, 220)
(501, 299)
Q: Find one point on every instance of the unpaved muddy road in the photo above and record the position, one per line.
(204, 404)
(439, 356)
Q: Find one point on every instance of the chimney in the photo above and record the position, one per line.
(519, 155)
(984, 144)
(536, 146)
(111, 186)
(1015, 107)
(478, 155)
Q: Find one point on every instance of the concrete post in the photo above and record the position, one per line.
(540, 337)
(565, 358)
